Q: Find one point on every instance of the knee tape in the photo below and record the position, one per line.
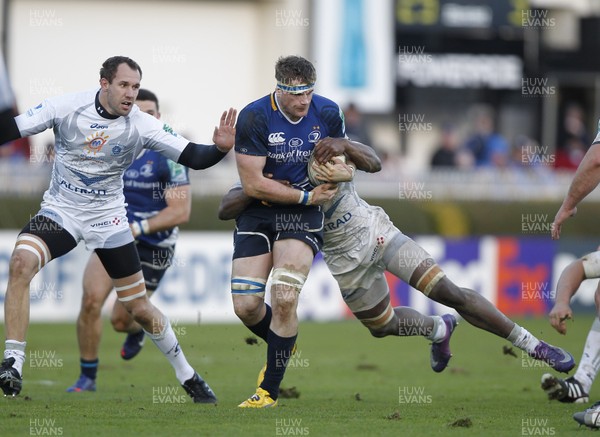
(132, 291)
(429, 279)
(248, 286)
(34, 245)
(288, 278)
(379, 321)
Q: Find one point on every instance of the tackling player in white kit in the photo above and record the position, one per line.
(361, 243)
(98, 133)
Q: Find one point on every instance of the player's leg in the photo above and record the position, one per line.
(251, 264)
(123, 265)
(40, 241)
(248, 280)
(373, 308)
(292, 259)
(97, 285)
(155, 262)
(429, 278)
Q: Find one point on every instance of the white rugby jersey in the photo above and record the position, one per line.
(354, 234)
(91, 150)
(349, 221)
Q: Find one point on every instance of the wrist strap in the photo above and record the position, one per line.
(145, 226)
(305, 197)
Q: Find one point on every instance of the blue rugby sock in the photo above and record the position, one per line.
(89, 367)
(279, 351)
(261, 329)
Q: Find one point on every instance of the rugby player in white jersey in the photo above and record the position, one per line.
(585, 180)
(98, 133)
(361, 243)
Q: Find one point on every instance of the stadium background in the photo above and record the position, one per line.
(411, 67)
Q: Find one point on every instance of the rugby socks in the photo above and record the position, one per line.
(168, 344)
(89, 368)
(15, 349)
(279, 351)
(523, 339)
(590, 360)
(261, 329)
(438, 333)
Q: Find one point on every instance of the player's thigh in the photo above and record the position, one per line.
(40, 241)
(293, 254)
(123, 266)
(413, 264)
(97, 284)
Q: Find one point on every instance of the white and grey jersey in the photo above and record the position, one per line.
(92, 151)
(348, 219)
(355, 233)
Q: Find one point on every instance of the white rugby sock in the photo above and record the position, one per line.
(590, 359)
(523, 339)
(168, 344)
(439, 329)
(16, 349)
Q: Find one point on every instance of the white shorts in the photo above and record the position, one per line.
(100, 229)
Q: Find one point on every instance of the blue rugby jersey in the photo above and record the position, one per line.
(263, 130)
(145, 182)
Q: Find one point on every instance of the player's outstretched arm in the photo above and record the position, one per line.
(233, 203)
(568, 284)
(199, 156)
(585, 180)
(363, 156)
(8, 127)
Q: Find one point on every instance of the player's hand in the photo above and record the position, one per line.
(323, 193)
(559, 315)
(338, 171)
(224, 134)
(561, 216)
(329, 147)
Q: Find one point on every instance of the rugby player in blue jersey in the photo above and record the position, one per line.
(98, 133)
(283, 227)
(158, 195)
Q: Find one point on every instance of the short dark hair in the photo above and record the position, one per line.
(109, 67)
(145, 95)
(290, 68)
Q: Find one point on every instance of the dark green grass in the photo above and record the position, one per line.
(349, 384)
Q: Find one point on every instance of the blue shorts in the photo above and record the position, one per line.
(155, 262)
(258, 227)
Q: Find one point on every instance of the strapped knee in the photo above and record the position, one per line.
(135, 290)
(288, 279)
(35, 245)
(248, 286)
(379, 321)
(429, 279)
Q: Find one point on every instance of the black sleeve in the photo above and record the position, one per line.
(8, 127)
(199, 156)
